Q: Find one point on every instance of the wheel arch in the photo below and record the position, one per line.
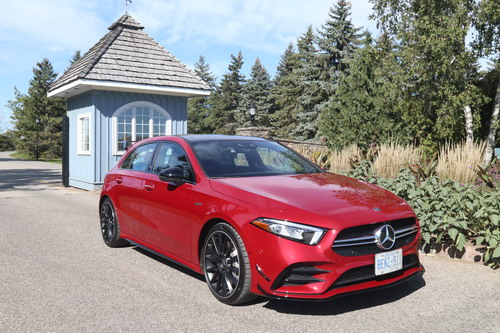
(204, 232)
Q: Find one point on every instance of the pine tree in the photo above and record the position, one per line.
(337, 41)
(308, 74)
(285, 93)
(227, 97)
(258, 91)
(199, 108)
(36, 118)
(365, 109)
(77, 56)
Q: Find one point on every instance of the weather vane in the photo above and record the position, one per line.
(127, 2)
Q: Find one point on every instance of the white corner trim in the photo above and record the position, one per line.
(84, 85)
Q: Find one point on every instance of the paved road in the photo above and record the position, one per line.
(56, 275)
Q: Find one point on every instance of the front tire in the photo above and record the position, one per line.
(226, 265)
(110, 228)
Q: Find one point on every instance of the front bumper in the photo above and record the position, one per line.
(286, 269)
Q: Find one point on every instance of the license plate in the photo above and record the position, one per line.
(388, 262)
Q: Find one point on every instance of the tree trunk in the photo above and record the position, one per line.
(490, 141)
(468, 125)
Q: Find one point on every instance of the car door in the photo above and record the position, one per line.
(165, 207)
(128, 188)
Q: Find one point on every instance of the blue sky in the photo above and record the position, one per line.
(31, 30)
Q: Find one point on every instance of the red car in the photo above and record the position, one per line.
(256, 218)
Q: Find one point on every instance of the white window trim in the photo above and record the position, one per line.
(79, 142)
(133, 105)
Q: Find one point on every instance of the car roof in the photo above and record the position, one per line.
(218, 137)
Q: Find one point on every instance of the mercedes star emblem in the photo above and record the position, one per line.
(385, 237)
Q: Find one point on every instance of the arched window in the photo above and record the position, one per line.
(139, 120)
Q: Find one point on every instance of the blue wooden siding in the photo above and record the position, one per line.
(88, 171)
(81, 167)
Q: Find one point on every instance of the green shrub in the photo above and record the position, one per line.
(448, 212)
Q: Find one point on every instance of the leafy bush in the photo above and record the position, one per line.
(448, 211)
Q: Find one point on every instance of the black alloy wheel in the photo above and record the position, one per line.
(226, 265)
(110, 229)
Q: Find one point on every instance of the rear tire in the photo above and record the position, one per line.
(225, 263)
(110, 228)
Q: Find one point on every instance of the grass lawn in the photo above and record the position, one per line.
(25, 157)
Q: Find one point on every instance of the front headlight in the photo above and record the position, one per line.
(294, 231)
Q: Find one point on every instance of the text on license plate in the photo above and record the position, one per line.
(388, 262)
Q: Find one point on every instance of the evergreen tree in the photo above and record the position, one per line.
(36, 118)
(308, 74)
(77, 56)
(285, 92)
(7, 141)
(258, 91)
(365, 109)
(337, 41)
(199, 108)
(227, 98)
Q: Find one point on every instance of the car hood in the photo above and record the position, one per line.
(329, 196)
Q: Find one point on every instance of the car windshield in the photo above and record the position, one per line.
(246, 158)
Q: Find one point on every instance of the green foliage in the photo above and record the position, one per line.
(37, 119)
(199, 108)
(364, 109)
(425, 168)
(76, 56)
(338, 39)
(256, 90)
(308, 74)
(285, 92)
(487, 23)
(7, 141)
(227, 98)
(448, 212)
(438, 68)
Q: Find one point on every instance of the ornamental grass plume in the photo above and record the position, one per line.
(340, 159)
(393, 156)
(457, 161)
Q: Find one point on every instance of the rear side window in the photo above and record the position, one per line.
(140, 158)
(171, 155)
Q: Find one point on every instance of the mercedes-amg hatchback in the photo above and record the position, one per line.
(256, 218)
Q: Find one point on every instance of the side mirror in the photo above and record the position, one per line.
(125, 145)
(174, 176)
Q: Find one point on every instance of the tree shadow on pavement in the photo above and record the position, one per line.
(10, 178)
(349, 303)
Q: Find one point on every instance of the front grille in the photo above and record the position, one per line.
(298, 275)
(360, 240)
(367, 273)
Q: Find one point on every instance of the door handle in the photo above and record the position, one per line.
(149, 187)
(119, 180)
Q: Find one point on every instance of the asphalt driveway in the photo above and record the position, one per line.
(56, 275)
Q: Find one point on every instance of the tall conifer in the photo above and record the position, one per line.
(36, 118)
(227, 99)
(257, 91)
(199, 108)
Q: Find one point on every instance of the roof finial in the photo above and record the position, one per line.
(127, 2)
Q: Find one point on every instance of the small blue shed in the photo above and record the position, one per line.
(125, 88)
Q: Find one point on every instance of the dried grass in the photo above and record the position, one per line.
(392, 157)
(340, 159)
(458, 161)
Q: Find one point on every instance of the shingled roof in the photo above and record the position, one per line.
(127, 59)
